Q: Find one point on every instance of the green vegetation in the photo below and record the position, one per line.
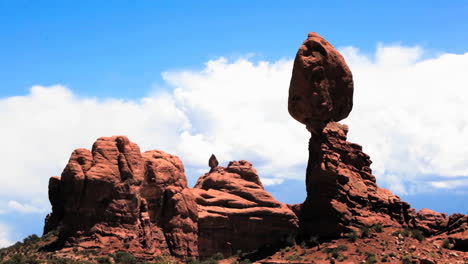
(385, 258)
(124, 258)
(370, 258)
(446, 244)
(417, 234)
(218, 256)
(104, 260)
(294, 257)
(352, 236)
(377, 228)
(414, 233)
(335, 253)
(364, 231)
(406, 259)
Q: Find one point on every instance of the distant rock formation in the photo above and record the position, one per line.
(236, 213)
(114, 197)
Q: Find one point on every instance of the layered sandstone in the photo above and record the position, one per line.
(236, 213)
(113, 197)
(342, 193)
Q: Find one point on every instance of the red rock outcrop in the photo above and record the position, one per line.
(431, 222)
(342, 193)
(321, 88)
(114, 198)
(236, 213)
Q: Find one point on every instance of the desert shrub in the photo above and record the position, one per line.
(218, 256)
(104, 260)
(417, 234)
(164, 259)
(335, 253)
(365, 231)
(341, 257)
(124, 258)
(446, 244)
(406, 232)
(378, 228)
(341, 248)
(192, 260)
(370, 258)
(31, 239)
(59, 261)
(352, 236)
(210, 261)
(16, 259)
(294, 257)
(406, 259)
(384, 258)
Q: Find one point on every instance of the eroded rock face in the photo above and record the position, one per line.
(236, 213)
(114, 198)
(321, 88)
(342, 193)
(431, 222)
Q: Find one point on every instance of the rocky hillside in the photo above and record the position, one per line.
(114, 204)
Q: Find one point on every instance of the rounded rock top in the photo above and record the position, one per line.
(321, 88)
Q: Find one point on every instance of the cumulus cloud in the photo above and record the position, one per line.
(410, 114)
(4, 236)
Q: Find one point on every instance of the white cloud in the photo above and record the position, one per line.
(4, 236)
(25, 207)
(410, 114)
(449, 184)
(271, 181)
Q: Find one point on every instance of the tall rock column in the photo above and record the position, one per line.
(342, 193)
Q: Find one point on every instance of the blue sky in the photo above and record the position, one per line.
(119, 49)
(132, 58)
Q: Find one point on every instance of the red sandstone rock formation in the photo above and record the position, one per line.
(342, 193)
(236, 213)
(114, 198)
(321, 88)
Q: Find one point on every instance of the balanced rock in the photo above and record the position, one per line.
(236, 213)
(115, 198)
(321, 88)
